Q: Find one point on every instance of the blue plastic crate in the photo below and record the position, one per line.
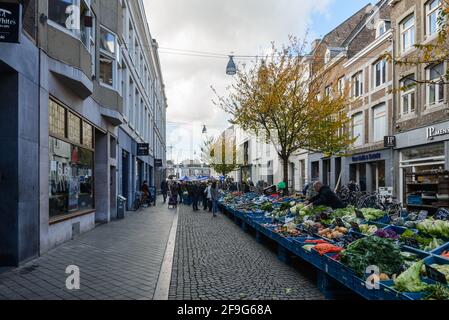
(436, 260)
(414, 199)
(439, 251)
(387, 292)
(339, 271)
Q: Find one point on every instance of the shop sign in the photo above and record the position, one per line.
(433, 132)
(367, 157)
(390, 142)
(10, 22)
(143, 149)
(158, 163)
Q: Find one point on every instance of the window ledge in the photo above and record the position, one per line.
(63, 218)
(407, 117)
(435, 107)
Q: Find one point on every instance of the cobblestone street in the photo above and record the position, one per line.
(120, 260)
(214, 259)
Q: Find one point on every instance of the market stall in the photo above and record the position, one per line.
(364, 250)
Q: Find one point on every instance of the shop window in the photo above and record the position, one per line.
(408, 86)
(87, 135)
(433, 16)
(71, 178)
(357, 84)
(358, 128)
(407, 29)
(424, 152)
(56, 119)
(108, 58)
(435, 90)
(74, 128)
(380, 73)
(379, 122)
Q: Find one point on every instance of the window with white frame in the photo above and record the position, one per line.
(327, 56)
(380, 73)
(357, 84)
(341, 85)
(328, 91)
(108, 57)
(433, 15)
(379, 122)
(382, 27)
(358, 128)
(408, 89)
(407, 29)
(435, 90)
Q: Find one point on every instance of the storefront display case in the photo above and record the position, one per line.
(426, 190)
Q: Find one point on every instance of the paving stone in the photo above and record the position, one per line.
(214, 259)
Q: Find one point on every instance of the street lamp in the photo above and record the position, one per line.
(204, 130)
(231, 69)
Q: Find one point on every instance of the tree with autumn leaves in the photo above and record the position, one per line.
(276, 100)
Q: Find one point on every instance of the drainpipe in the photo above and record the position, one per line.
(396, 170)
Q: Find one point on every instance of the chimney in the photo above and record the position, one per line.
(315, 43)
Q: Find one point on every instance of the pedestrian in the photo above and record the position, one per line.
(193, 193)
(203, 195)
(215, 195)
(164, 189)
(208, 194)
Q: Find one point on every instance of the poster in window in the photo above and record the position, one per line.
(73, 193)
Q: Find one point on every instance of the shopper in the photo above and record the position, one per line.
(215, 195)
(208, 194)
(164, 189)
(145, 189)
(325, 197)
(193, 193)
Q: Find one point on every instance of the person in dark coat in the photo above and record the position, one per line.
(193, 193)
(325, 197)
(164, 189)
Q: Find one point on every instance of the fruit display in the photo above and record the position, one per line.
(334, 233)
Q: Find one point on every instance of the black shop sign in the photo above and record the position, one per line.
(10, 22)
(143, 149)
(158, 163)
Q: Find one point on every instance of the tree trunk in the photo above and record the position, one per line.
(285, 168)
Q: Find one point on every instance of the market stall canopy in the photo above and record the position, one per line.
(185, 178)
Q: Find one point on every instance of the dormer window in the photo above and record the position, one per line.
(382, 27)
(328, 56)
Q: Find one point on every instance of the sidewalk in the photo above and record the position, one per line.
(119, 260)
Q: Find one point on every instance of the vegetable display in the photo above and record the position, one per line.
(372, 214)
(410, 280)
(435, 228)
(370, 251)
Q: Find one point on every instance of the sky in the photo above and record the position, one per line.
(240, 27)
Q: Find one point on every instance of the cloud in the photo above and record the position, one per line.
(242, 27)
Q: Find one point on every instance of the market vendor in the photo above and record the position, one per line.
(325, 197)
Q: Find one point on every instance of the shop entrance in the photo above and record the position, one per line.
(125, 176)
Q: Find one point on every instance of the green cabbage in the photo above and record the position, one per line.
(410, 280)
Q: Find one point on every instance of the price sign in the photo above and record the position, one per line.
(359, 214)
(436, 275)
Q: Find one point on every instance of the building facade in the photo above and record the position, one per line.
(62, 125)
(421, 116)
(357, 67)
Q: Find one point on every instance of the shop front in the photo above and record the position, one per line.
(371, 171)
(71, 163)
(423, 157)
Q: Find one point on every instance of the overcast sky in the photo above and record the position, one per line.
(242, 27)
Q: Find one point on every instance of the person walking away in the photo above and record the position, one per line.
(164, 189)
(325, 197)
(202, 196)
(193, 192)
